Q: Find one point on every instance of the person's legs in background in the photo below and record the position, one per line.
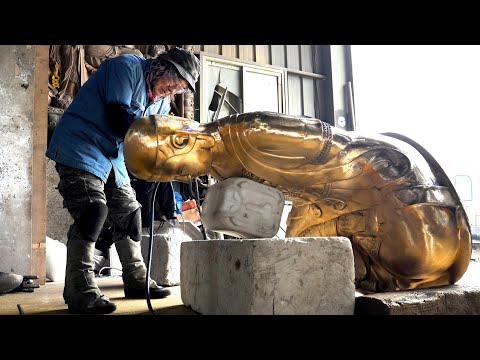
(144, 192)
(125, 215)
(102, 248)
(164, 200)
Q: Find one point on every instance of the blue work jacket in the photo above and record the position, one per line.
(84, 138)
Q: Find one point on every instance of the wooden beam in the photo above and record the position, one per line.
(262, 54)
(39, 178)
(230, 51)
(246, 52)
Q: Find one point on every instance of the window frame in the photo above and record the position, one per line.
(208, 59)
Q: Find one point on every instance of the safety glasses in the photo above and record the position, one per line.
(177, 85)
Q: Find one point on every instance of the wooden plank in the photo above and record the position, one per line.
(246, 52)
(213, 49)
(39, 178)
(308, 97)
(230, 51)
(262, 54)
(278, 55)
(306, 57)
(295, 102)
(293, 57)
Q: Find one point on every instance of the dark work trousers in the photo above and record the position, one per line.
(164, 200)
(80, 188)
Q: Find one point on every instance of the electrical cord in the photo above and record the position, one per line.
(150, 246)
(162, 222)
(107, 267)
(20, 310)
(184, 227)
(199, 207)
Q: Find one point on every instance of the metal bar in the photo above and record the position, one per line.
(351, 105)
(306, 74)
(222, 100)
(227, 102)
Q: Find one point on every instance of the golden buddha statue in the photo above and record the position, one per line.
(386, 193)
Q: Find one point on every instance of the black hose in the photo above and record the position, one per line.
(204, 233)
(150, 247)
(20, 310)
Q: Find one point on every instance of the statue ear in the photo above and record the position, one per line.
(208, 139)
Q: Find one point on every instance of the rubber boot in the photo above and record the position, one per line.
(81, 292)
(134, 271)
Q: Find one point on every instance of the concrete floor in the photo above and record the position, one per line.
(48, 300)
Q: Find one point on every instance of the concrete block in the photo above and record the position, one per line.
(476, 250)
(456, 299)
(243, 208)
(165, 264)
(114, 262)
(292, 276)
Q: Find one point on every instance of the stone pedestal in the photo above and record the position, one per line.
(446, 300)
(307, 276)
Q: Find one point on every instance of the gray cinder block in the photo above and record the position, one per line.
(165, 265)
(268, 276)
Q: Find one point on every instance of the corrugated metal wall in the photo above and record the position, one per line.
(297, 58)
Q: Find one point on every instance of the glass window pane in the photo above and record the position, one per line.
(261, 92)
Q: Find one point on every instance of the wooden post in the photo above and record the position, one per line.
(39, 178)
(188, 98)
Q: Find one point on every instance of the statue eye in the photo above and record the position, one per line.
(180, 141)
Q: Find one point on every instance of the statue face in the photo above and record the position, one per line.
(185, 156)
(164, 148)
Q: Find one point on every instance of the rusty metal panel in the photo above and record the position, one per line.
(293, 57)
(262, 54)
(230, 51)
(295, 98)
(306, 57)
(278, 55)
(246, 52)
(308, 97)
(213, 49)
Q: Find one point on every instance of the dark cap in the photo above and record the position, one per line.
(186, 63)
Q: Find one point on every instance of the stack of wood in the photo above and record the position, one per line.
(71, 65)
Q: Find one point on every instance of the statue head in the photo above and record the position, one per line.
(163, 148)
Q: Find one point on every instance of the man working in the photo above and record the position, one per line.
(87, 146)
